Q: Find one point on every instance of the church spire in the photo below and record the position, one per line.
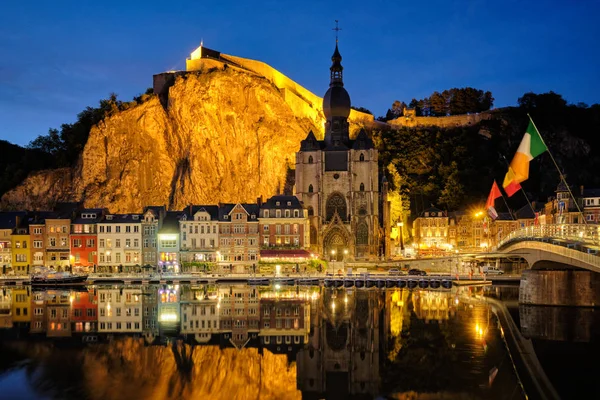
(336, 60)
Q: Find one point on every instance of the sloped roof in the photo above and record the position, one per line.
(212, 210)
(121, 218)
(8, 220)
(283, 200)
(591, 193)
(225, 209)
(362, 141)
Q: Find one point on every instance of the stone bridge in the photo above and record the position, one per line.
(555, 246)
(564, 264)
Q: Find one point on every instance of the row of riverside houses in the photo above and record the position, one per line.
(436, 231)
(230, 237)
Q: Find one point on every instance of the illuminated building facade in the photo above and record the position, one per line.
(199, 227)
(200, 310)
(119, 242)
(337, 180)
(58, 248)
(168, 243)
(21, 248)
(238, 236)
(84, 239)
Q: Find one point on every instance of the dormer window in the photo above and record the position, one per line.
(252, 216)
(278, 203)
(289, 203)
(135, 217)
(109, 217)
(226, 217)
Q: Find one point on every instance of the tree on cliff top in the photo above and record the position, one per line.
(65, 145)
(456, 101)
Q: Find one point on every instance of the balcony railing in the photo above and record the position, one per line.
(583, 234)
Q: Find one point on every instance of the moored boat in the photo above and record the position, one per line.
(51, 278)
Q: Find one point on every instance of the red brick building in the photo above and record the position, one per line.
(84, 239)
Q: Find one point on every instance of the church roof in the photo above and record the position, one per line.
(362, 141)
(310, 143)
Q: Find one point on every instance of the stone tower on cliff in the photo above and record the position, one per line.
(337, 180)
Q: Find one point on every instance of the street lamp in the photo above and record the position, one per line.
(332, 256)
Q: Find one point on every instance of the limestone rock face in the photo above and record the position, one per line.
(225, 136)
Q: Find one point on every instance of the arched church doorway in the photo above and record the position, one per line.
(336, 245)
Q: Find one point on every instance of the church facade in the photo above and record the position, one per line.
(337, 180)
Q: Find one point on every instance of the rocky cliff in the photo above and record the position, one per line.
(225, 135)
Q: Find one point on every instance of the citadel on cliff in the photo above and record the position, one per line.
(336, 179)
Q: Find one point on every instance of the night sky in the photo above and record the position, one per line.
(57, 57)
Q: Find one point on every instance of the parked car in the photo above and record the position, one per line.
(416, 271)
(493, 271)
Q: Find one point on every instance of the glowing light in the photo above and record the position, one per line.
(164, 236)
(346, 299)
(278, 269)
(333, 306)
(277, 286)
(167, 317)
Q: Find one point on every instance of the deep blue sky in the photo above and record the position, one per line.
(57, 57)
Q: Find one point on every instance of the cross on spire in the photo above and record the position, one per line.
(337, 29)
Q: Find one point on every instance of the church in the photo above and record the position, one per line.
(337, 179)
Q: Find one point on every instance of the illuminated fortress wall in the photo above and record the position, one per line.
(302, 101)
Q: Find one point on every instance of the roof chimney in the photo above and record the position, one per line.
(581, 188)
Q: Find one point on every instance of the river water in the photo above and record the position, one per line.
(282, 342)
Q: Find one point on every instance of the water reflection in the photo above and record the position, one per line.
(239, 341)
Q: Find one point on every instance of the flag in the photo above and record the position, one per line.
(494, 194)
(531, 146)
(513, 186)
(492, 213)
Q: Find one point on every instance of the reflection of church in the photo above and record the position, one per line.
(337, 180)
(342, 357)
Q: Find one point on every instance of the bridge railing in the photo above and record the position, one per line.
(584, 234)
(591, 260)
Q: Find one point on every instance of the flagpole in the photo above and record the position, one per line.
(522, 190)
(507, 207)
(562, 177)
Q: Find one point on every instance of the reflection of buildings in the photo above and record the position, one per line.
(168, 310)
(200, 313)
(239, 313)
(432, 305)
(284, 321)
(5, 309)
(343, 349)
(38, 312)
(21, 306)
(150, 312)
(119, 310)
(84, 310)
(58, 308)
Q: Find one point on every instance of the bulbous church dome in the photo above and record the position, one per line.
(336, 102)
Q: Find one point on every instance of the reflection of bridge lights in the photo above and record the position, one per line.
(346, 299)
(277, 286)
(333, 306)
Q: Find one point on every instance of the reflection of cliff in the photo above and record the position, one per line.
(126, 369)
(570, 324)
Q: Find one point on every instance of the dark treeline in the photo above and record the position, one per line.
(453, 168)
(449, 102)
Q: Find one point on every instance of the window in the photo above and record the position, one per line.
(362, 157)
(118, 243)
(117, 229)
(336, 204)
(90, 243)
(37, 244)
(37, 231)
(296, 213)
(278, 213)
(136, 229)
(287, 213)
(310, 188)
(362, 187)
(128, 229)
(310, 159)
(127, 243)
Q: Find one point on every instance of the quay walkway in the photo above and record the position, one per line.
(378, 279)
